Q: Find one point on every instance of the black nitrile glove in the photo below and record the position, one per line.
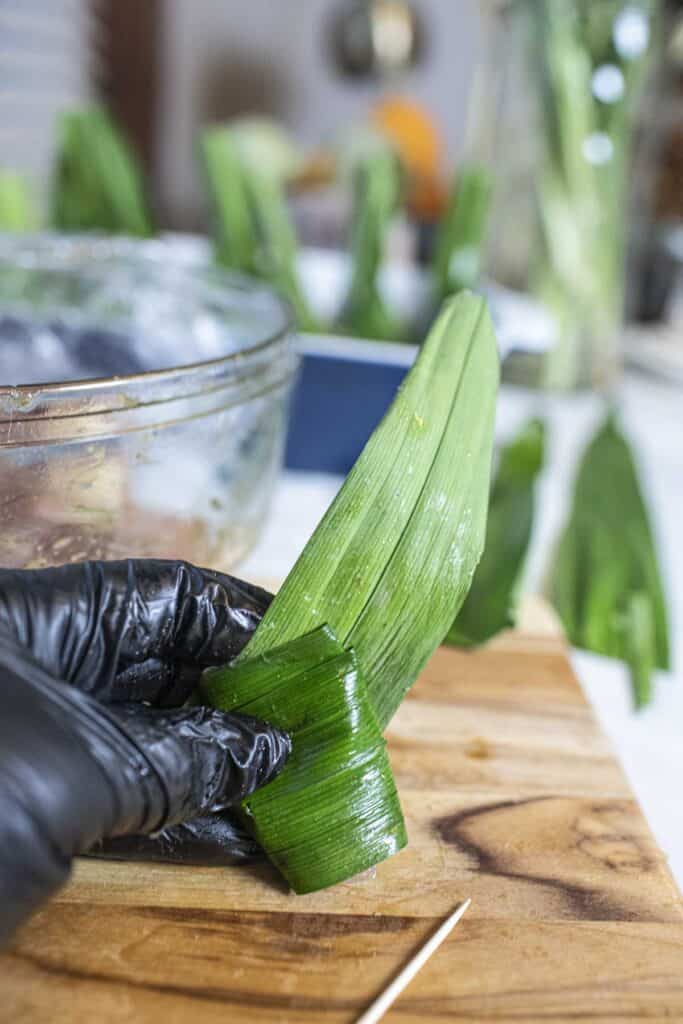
(82, 758)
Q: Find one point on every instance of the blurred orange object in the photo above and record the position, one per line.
(413, 132)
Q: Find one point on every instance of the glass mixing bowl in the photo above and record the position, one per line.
(143, 402)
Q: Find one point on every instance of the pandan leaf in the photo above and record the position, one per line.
(390, 563)
(578, 274)
(490, 603)
(607, 560)
(253, 230)
(338, 771)
(234, 235)
(459, 248)
(277, 243)
(377, 187)
(16, 210)
(97, 184)
(386, 570)
(639, 644)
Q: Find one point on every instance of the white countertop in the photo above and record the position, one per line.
(648, 744)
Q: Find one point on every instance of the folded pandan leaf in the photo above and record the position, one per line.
(606, 581)
(491, 602)
(97, 183)
(386, 570)
(338, 771)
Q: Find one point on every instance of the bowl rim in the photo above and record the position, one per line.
(123, 243)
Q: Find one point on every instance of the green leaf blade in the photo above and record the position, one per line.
(253, 231)
(640, 647)
(387, 569)
(234, 238)
(278, 244)
(401, 540)
(97, 182)
(377, 188)
(16, 209)
(490, 604)
(459, 248)
(333, 811)
(607, 556)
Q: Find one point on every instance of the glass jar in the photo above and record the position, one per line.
(143, 402)
(574, 77)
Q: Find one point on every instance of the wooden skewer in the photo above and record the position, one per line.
(380, 1006)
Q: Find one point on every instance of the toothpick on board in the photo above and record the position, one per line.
(380, 1006)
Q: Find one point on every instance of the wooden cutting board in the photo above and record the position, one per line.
(512, 796)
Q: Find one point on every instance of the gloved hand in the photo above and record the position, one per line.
(84, 651)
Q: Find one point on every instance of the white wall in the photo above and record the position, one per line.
(226, 57)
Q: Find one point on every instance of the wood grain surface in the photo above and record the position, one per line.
(512, 796)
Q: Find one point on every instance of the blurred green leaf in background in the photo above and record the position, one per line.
(16, 209)
(589, 79)
(253, 230)
(233, 232)
(377, 192)
(606, 582)
(97, 184)
(461, 235)
(491, 602)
